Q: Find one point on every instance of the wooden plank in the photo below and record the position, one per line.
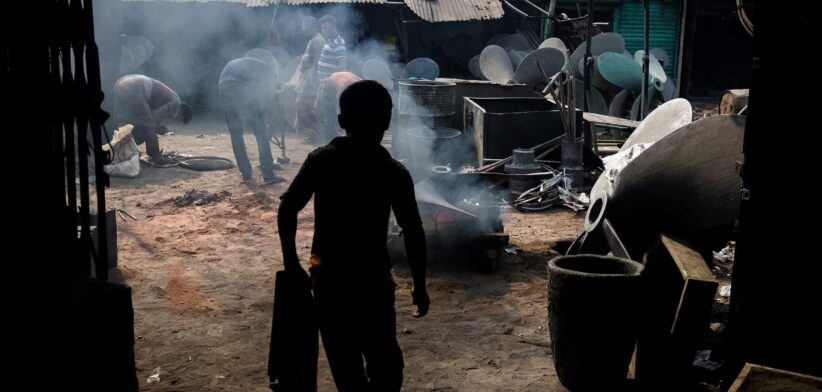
(754, 378)
(699, 290)
(610, 121)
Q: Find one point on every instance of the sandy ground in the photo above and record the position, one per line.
(203, 281)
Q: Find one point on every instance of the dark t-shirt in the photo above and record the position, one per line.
(355, 187)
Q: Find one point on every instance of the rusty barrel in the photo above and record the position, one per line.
(426, 98)
(592, 314)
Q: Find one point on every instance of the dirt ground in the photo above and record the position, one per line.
(203, 281)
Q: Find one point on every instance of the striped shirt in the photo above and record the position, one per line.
(332, 57)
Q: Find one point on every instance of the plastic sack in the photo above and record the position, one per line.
(125, 160)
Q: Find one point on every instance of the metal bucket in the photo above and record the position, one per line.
(426, 98)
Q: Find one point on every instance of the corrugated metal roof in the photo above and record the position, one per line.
(299, 2)
(248, 3)
(263, 3)
(456, 10)
(429, 10)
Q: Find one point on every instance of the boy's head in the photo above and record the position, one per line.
(365, 110)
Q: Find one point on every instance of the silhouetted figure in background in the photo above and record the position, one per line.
(247, 90)
(307, 84)
(356, 184)
(144, 102)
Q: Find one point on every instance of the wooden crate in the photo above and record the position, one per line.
(756, 378)
(679, 293)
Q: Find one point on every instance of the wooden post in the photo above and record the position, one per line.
(733, 101)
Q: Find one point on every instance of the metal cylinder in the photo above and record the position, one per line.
(571, 153)
(426, 98)
(523, 162)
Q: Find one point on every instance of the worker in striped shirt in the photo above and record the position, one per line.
(333, 57)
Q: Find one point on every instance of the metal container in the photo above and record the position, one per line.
(500, 125)
(484, 89)
(426, 98)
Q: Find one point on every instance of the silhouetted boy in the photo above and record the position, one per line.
(356, 184)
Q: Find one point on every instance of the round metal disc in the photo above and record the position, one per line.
(135, 51)
(656, 74)
(497, 39)
(553, 42)
(516, 57)
(495, 64)
(621, 71)
(619, 104)
(461, 47)
(660, 55)
(596, 78)
(264, 56)
(557, 43)
(397, 69)
(473, 66)
(659, 123)
(551, 59)
(598, 104)
(667, 118)
(668, 90)
(290, 69)
(377, 69)
(654, 103)
(422, 68)
(605, 42)
(516, 42)
(280, 54)
(686, 182)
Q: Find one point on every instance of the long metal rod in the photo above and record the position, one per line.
(560, 101)
(552, 6)
(536, 7)
(523, 13)
(644, 103)
(589, 63)
(572, 112)
(548, 151)
(681, 45)
(517, 10)
(588, 58)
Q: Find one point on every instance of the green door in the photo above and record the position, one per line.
(664, 28)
